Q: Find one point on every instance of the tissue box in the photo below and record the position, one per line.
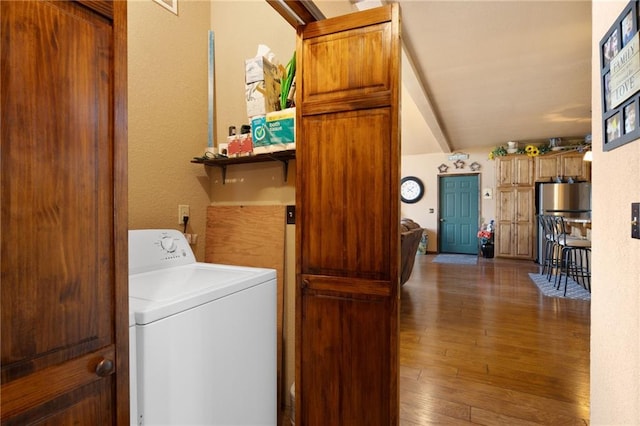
(281, 128)
(259, 69)
(262, 86)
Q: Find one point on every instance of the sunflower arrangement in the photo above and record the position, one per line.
(532, 150)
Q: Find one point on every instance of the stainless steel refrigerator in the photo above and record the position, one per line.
(562, 199)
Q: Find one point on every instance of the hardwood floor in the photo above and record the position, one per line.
(480, 345)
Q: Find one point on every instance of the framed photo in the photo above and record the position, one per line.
(171, 5)
(630, 118)
(627, 28)
(619, 73)
(607, 91)
(611, 47)
(613, 127)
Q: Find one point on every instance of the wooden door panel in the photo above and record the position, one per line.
(63, 249)
(351, 86)
(49, 389)
(348, 362)
(573, 165)
(523, 205)
(347, 235)
(345, 241)
(523, 170)
(546, 168)
(523, 240)
(504, 172)
(65, 254)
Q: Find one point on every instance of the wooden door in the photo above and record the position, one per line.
(64, 226)
(348, 239)
(458, 207)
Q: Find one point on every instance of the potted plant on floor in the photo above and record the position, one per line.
(485, 235)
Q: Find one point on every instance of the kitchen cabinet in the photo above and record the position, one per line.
(64, 293)
(513, 170)
(515, 230)
(565, 165)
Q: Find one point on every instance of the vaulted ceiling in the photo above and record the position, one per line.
(481, 73)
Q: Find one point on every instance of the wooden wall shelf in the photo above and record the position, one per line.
(283, 156)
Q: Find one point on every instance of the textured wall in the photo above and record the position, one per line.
(615, 302)
(167, 115)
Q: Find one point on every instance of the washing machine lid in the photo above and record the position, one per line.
(158, 294)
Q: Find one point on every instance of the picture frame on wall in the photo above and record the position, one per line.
(620, 79)
(170, 5)
(630, 118)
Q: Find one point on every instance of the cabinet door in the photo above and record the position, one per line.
(546, 168)
(514, 170)
(504, 171)
(573, 165)
(514, 233)
(504, 222)
(523, 220)
(523, 170)
(347, 235)
(64, 228)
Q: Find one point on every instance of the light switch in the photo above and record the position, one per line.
(635, 219)
(291, 215)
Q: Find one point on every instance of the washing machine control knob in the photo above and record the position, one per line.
(168, 244)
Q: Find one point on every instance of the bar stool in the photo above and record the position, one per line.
(575, 255)
(549, 258)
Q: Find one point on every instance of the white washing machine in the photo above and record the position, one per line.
(205, 336)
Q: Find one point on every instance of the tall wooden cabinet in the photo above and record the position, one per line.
(64, 225)
(515, 224)
(348, 230)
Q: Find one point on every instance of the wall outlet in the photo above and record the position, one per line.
(183, 210)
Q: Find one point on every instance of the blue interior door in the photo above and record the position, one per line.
(458, 199)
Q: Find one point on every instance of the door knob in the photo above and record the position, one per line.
(442, 220)
(104, 367)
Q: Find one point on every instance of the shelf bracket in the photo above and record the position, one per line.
(223, 168)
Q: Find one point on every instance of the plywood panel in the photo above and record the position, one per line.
(250, 236)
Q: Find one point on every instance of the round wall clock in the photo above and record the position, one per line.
(411, 189)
